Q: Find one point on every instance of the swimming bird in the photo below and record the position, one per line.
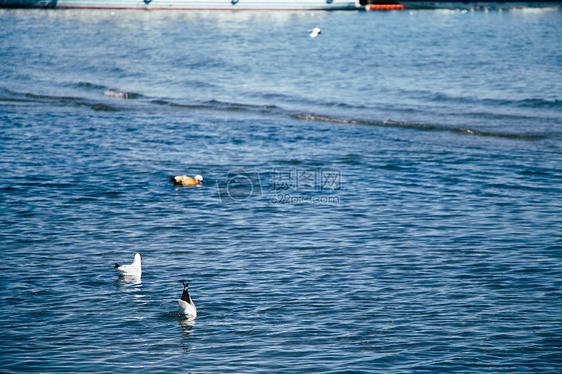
(116, 94)
(314, 32)
(131, 270)
(187, 307)
(184, 180)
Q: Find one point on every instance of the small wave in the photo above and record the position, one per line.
(495, 134)
(305, 100)
(90, 86)
(121, 95)
(223, 106)
(238, 107)
(160, 102)
(109, 92)
(185, 106)
(417, 126)
(78, 101)
(274, 96)
(323, 118)
(13, 99)
(495, 102)
(523, 103)
(50, 97)
(6, 94)
(99, 107)
(290, 162)
(541, 103)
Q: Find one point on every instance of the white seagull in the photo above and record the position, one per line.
(131, 270)
(187, 307)
(314, 32)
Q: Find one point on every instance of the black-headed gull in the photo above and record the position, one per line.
(314, 32)
(134, 269)
(187, 307)
(184, 180)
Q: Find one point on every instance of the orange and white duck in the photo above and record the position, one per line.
(184, 180)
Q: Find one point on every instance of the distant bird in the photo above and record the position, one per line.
(187, 307)
(131, 270)
(116, 94)
(314, 32)
(184, 180)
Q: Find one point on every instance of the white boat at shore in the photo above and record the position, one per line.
(188, 4)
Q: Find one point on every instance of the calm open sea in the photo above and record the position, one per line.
(386, 197)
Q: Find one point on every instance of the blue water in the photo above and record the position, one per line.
(384, 198)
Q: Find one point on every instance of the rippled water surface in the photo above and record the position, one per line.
(386, 197)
